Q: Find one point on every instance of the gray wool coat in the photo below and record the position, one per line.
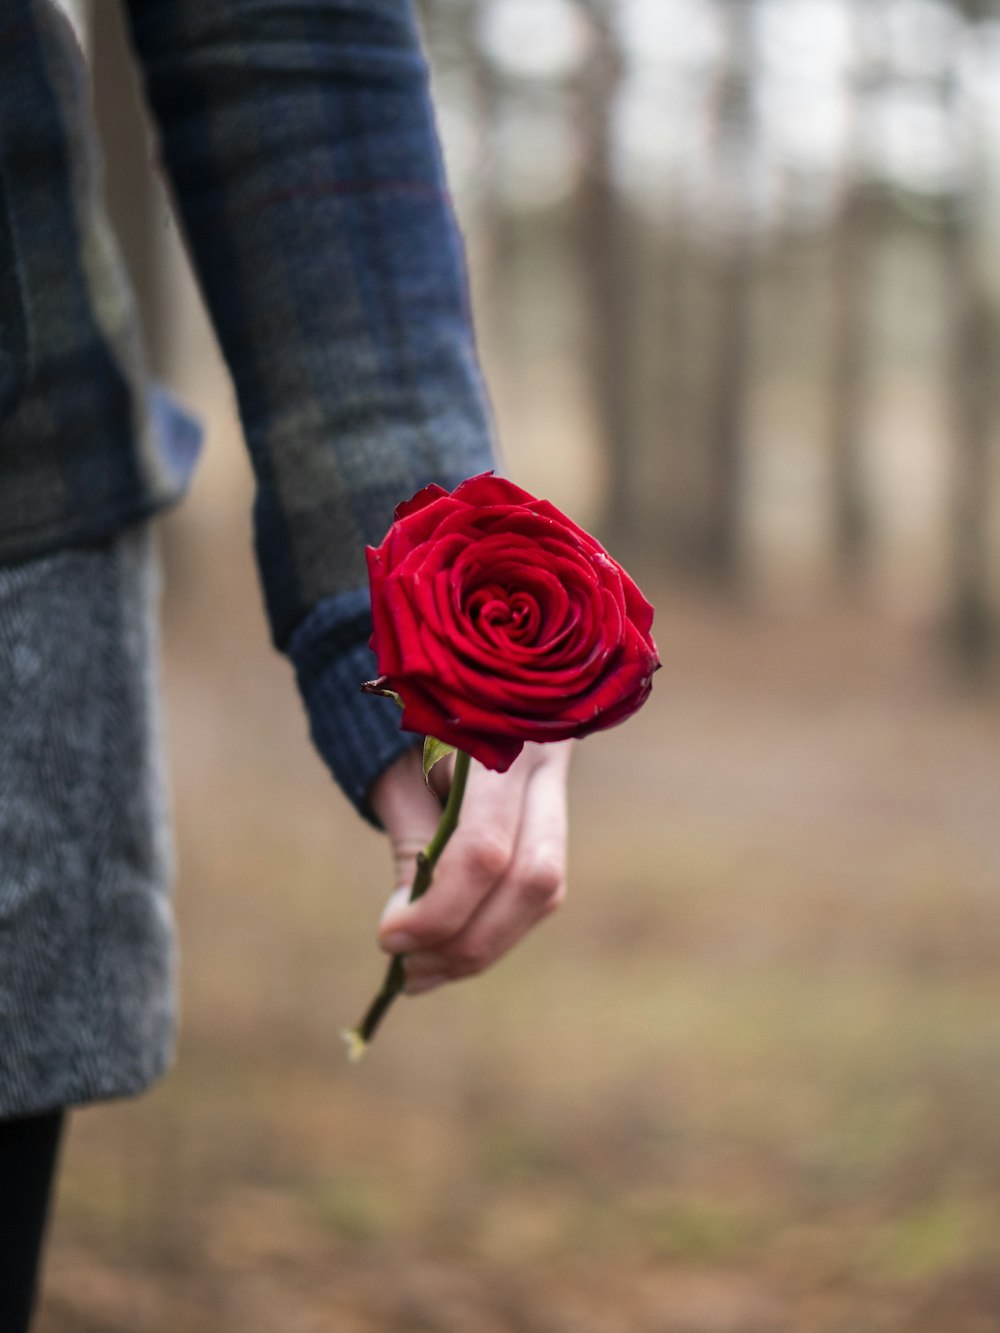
(86, 931)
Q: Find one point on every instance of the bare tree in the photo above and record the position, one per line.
(851, 337)
(973, 407)
(492, 232)
(971, 375)
(727, 423)
(972, 371)
(605, 280)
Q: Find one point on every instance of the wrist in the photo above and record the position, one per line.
(358, 736)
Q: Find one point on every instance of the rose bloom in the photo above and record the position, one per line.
(497, 620)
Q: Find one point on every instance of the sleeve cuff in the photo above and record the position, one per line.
(358, 735)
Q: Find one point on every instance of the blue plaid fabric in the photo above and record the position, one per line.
(299, 142)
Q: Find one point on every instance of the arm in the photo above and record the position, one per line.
(300, 144)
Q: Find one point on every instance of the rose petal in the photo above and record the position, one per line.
(489, 489)
(431, 492)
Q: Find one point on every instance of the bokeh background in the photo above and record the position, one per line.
(736, 279)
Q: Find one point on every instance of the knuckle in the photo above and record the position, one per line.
(542, 883)
(555, 902)
(489, 856)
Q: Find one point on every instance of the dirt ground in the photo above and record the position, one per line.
(748, 1081)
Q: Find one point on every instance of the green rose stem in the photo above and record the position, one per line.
(358, 1038)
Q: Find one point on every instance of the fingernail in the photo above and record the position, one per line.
(421, 984)
(398, 942)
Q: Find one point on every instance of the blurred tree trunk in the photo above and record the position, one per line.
(679, 538)
(851, 274)
(493, 249)
(972, 373)
(851, 351)
(604, 277)
(728, 407)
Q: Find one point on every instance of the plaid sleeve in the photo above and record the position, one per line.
(300, 143)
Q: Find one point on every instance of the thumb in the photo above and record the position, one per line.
(410, 814)
(397, 904)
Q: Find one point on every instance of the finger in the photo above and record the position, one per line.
(533, 887)
(474, 861)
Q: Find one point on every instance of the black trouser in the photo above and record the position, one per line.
(28, 1150)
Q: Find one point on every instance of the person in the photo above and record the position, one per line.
(300, 146)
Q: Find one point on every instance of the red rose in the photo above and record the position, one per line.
(498, 621)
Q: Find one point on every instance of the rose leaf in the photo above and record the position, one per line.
(433, 751)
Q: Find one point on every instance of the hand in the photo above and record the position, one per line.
(503, 870)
